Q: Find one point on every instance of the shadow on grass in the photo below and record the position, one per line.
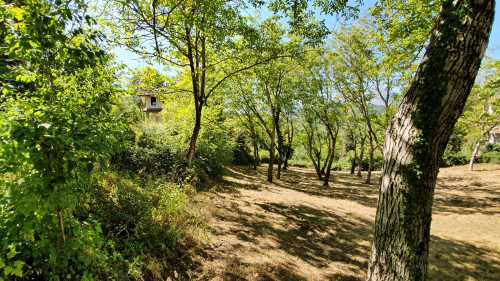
(318, 237)
(456, 260)
(464, 196)
(315, 237)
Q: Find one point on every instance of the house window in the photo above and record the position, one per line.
(153, 100)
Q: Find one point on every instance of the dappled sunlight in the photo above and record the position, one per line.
(296, 229)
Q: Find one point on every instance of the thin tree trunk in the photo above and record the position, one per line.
(316, 166)
(474, 154)
(256, 159)
(196, 132)
(479, 143)
(280, 142)
(271, 163)
(361, 152)
(330, 162)
(370, 166)
(353, 164)
(278, 175)
(61, 223)
(287, 156)
(417, 136)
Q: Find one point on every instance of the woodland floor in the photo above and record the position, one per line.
(295, 229)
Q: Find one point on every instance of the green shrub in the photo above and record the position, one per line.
(451, 158)
(241, 151)
(157, 151)
(492, 147)
(213, 154)
(144, 219)
(491, 156)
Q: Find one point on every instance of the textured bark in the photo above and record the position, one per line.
(417, 136)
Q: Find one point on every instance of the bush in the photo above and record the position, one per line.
(492, 147)
(453, 158)
(489, 157)
(144, 220)
(213, 154)
(241, 151)
(346, 162)
(157, 151)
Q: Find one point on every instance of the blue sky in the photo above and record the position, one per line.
(133, 61)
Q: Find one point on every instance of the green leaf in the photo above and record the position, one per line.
(7, 270)
(34, 44)
(11, 254)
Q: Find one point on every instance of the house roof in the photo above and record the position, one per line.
(495, 131)
(145, 94)
(152, 109)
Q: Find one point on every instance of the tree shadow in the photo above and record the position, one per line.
(320, 237)
(451, 260)
(462, 196)
(315, 237)
(342, 186)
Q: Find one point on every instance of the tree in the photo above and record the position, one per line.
(242, 108)
(353, 60)
(417, 136)
(56, 126)
(320, 99)
(482, 114)
(211, 39)
(269, 95)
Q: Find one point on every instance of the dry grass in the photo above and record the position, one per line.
(295, 229)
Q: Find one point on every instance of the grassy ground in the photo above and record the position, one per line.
(295, 229)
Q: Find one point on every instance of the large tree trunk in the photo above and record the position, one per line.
(417, 136)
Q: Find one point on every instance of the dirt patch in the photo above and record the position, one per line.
(296, 229)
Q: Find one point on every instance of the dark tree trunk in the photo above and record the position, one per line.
(370, 166)
(278, 175)
(196, 132)
(330, 162)
(256, 160)
(353, 164)
(316, 165)
(280, 142)
(361, 152)
(418, 134)
(271, 162)
(287, 156)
